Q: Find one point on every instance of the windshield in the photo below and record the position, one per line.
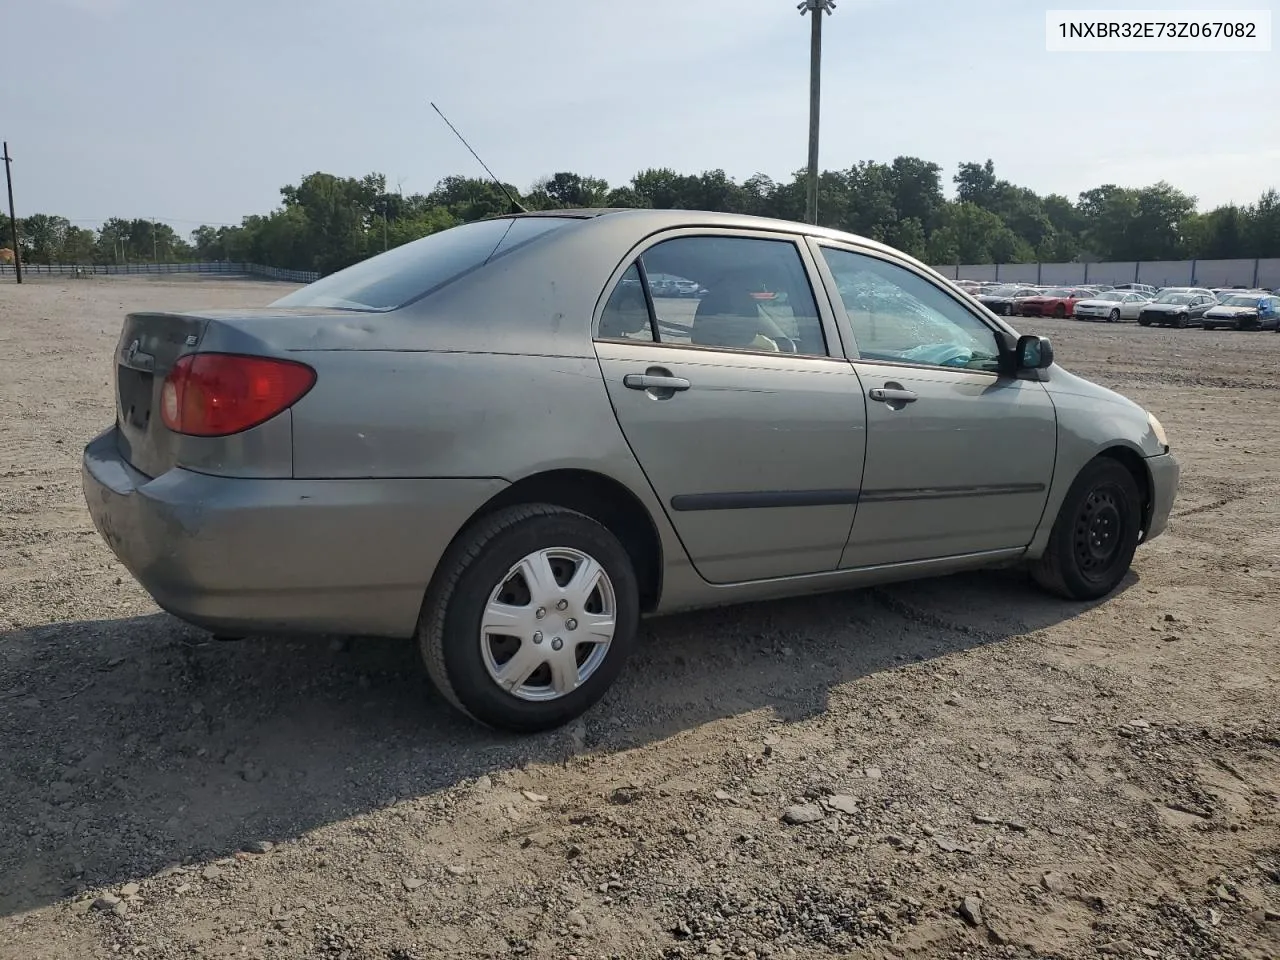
(1110, 295)
(410, 272)
(1004, 290)
(1057, 292)
(1175, 298)
(1239, 301)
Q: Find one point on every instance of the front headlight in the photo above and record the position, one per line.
(1158, 430)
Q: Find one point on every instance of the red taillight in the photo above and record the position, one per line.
(216, 394)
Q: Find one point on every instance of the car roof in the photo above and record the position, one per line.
(707, 218)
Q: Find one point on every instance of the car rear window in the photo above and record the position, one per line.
(409, 272)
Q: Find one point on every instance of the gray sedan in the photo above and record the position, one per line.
(501, 442)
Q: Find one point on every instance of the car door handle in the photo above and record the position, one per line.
(648, 381)
(892, 395)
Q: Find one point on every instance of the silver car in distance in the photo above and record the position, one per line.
(500, 441)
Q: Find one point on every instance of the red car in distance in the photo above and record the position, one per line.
(1057, 302)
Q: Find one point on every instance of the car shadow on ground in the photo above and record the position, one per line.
(131, 744)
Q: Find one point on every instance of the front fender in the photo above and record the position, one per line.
(1091, 421)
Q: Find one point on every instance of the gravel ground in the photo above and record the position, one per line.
(953, 768)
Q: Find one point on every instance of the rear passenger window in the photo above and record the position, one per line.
(626, 315)
(733, 293)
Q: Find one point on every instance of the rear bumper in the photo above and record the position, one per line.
(1165, 472)
(251, 556)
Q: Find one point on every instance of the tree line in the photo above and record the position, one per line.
(326, 222)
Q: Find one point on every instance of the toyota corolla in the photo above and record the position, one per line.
(500, 441)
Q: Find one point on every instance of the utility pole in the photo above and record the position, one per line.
(13, 217)
(817, 8)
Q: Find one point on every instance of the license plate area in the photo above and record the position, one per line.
(135, 388)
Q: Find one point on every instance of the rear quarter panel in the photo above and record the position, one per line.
(454, 415)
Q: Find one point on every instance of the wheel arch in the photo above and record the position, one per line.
(602, 498)
(1136, 464)
(1124, 452)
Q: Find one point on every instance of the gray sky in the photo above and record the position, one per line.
(196, 112)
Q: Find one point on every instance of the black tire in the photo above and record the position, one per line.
(1095, 534)
(1143, 323)
(1182, 321)
(1208, 326)
(1008, 310)
(475, 565)
(1059, 312)
(1114, 317)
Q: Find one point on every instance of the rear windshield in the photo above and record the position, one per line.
(412, 271)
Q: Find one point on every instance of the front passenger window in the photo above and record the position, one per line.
(900, 317)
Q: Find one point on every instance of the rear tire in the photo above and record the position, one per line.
(1095, 534)
(479, 671)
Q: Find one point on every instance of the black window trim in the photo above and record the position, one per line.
(832, 335)
(643, 274)
(1004, 338)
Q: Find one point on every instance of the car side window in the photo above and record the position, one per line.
(900, 317)
(626, 315)
(734, 293)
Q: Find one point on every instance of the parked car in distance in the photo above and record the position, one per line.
(1138, 288)
(1056, 302)
(1112, 306)
(492, 442)
(1001, 299)
(1244, 311)
(1176, 308)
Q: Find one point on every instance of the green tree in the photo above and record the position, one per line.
(78, 246)
(943, 246)
(917, 191)
(42, 237)
(574, 191)
(1262, 230)
(908, 236)
(976, 184)
(625, 197)
(466, 198)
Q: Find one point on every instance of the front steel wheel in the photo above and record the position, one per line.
(1095, 534)
(530, 617)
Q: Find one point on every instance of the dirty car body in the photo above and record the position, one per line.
(499, 441)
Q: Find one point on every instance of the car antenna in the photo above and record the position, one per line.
(516, 206)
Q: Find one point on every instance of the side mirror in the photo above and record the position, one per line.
(1034, 353)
